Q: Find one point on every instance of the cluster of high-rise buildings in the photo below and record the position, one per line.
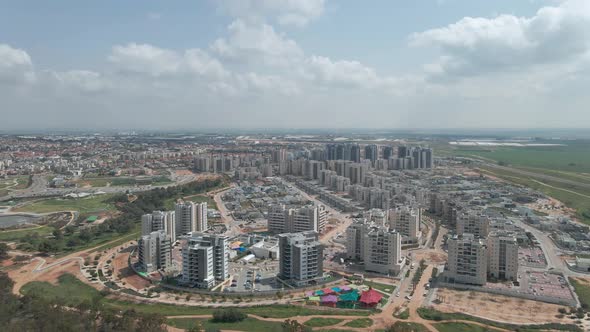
(476, 253)
(160, 229)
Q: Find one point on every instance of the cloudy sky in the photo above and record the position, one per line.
(149, 64)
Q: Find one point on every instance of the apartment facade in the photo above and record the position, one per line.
(205, 260)
(300, 258)
(406, 220)
(155, 251)
(159, 220)
(467, 260)
(503, 256)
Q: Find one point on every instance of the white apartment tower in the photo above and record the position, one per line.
(503, 256)
(154, 251)
(190, 217)
(300, 258)
(205, 260)
(307, 218)
(473, 223)
(383, 251)
(159, 220)
(406, 220)
(377, 246)
(467, 260)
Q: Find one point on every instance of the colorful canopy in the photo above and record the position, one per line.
(329, 299)
(314, 298)
(345, 288)
(327, 291)
(349, 297)
(309, 293)
(319, 292)
(336, 289)
(371, 297)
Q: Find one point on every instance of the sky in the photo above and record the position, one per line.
(201, 64)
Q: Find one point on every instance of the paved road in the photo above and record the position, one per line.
(39, 188)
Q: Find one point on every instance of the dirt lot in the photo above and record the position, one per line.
(496, 307)
(128, 276)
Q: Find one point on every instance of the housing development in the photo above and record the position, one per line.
(373, 231)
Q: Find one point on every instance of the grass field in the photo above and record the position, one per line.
(13, 235)
(583, 292)
(68, 285)
(70, 291)
(462, 327)
(573, 156)
(360, 323)
(435, 315)
(249, 324)
(379, 286)
(407, 326)
(83, 205)
(322, 322)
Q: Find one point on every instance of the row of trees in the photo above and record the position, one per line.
(29, 313)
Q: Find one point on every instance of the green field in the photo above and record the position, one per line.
(583, 292)
(435, 315)
(70, 291)
(573, 157)
(83, 205)
(407, 326)
(249, 324)
(462, 327)
(68, 285)
(360, 323)
(322, 322)
(379, 286)
(13, 235)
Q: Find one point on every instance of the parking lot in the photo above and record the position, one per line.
(257, 277)
(531, 257)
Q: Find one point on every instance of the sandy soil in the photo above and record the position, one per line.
(496, 307)
(128, 276)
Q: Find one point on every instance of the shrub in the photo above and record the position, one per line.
(229, 315)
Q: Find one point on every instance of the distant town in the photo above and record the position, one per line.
(370, 231)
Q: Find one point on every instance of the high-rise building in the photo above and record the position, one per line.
(405, 220)
(205, 259)
(154, 251)
(308, 218)
(159, 220)
(372, 152)
(468, 257)
(279, 155)
(377, 246)
(383, 251)
(474, 223)
(503, 256)
(387, 152)
(300, 258)
(355, 153)
(191, 217)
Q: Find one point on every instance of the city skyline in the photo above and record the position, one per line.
(294, 64)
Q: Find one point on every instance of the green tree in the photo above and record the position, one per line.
(291, 325)
(3, 250)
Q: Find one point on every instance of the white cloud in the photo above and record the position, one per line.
(285, 12)
(474, 46)
(251, 42)
(145, 59)
(15, 65)
(84, 80)
(154, 16)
